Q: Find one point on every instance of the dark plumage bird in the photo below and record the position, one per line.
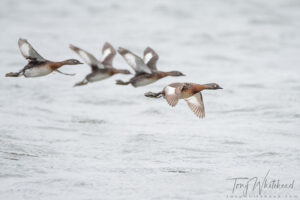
(190, 92)
(100, 69)
(145, 69)
(37, 65)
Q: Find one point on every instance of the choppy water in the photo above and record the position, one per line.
(105, 141)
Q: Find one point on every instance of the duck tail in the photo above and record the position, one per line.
(153, 94)
(120, 82)
(13, 74)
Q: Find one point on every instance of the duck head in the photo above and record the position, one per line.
(175, 73)
(212, 86)
(72, 62)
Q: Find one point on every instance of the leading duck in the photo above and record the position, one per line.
(37, 65)
(145, 69)
(190, 92)
(100, 69)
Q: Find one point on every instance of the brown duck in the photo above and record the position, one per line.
(145, 69)
(37, 65)
(190, 92)
(100, 69)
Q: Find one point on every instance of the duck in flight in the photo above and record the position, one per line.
(100, 69)
(145, 69)
(190, 92)
(37, 65)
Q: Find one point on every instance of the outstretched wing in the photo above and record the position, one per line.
(172, 93)
(28, 51)
(108, 54)
(151, 58)
(195, 103)
(134, 61)
(87, 57)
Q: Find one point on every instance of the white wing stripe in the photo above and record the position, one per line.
(85, 57)
(25, 49)
(170, 90)
(193, 100)
(106, 53)
(147, 57)
(170, 95)
(130, 59)
(196, 105)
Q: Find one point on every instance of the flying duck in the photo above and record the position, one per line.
(190, 92)
(100, 69)
(37, 65)
(145, 69)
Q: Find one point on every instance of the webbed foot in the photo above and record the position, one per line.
(120, 82)
(13, 74)
(84, 82)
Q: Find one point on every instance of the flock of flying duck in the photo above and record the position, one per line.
(145, 73)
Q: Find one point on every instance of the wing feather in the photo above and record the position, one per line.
(151, 58)
(134, 61)
(87, 57)
(172, 94)
(108, 54)
(28, 51)
(195, 103)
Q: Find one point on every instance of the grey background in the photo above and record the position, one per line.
(105, 141)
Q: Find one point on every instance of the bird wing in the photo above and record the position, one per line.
(87, 57)
(28, 51)
(108, 54)
(134, 61)
(151, 58)
(172, 94)
(195, 103)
